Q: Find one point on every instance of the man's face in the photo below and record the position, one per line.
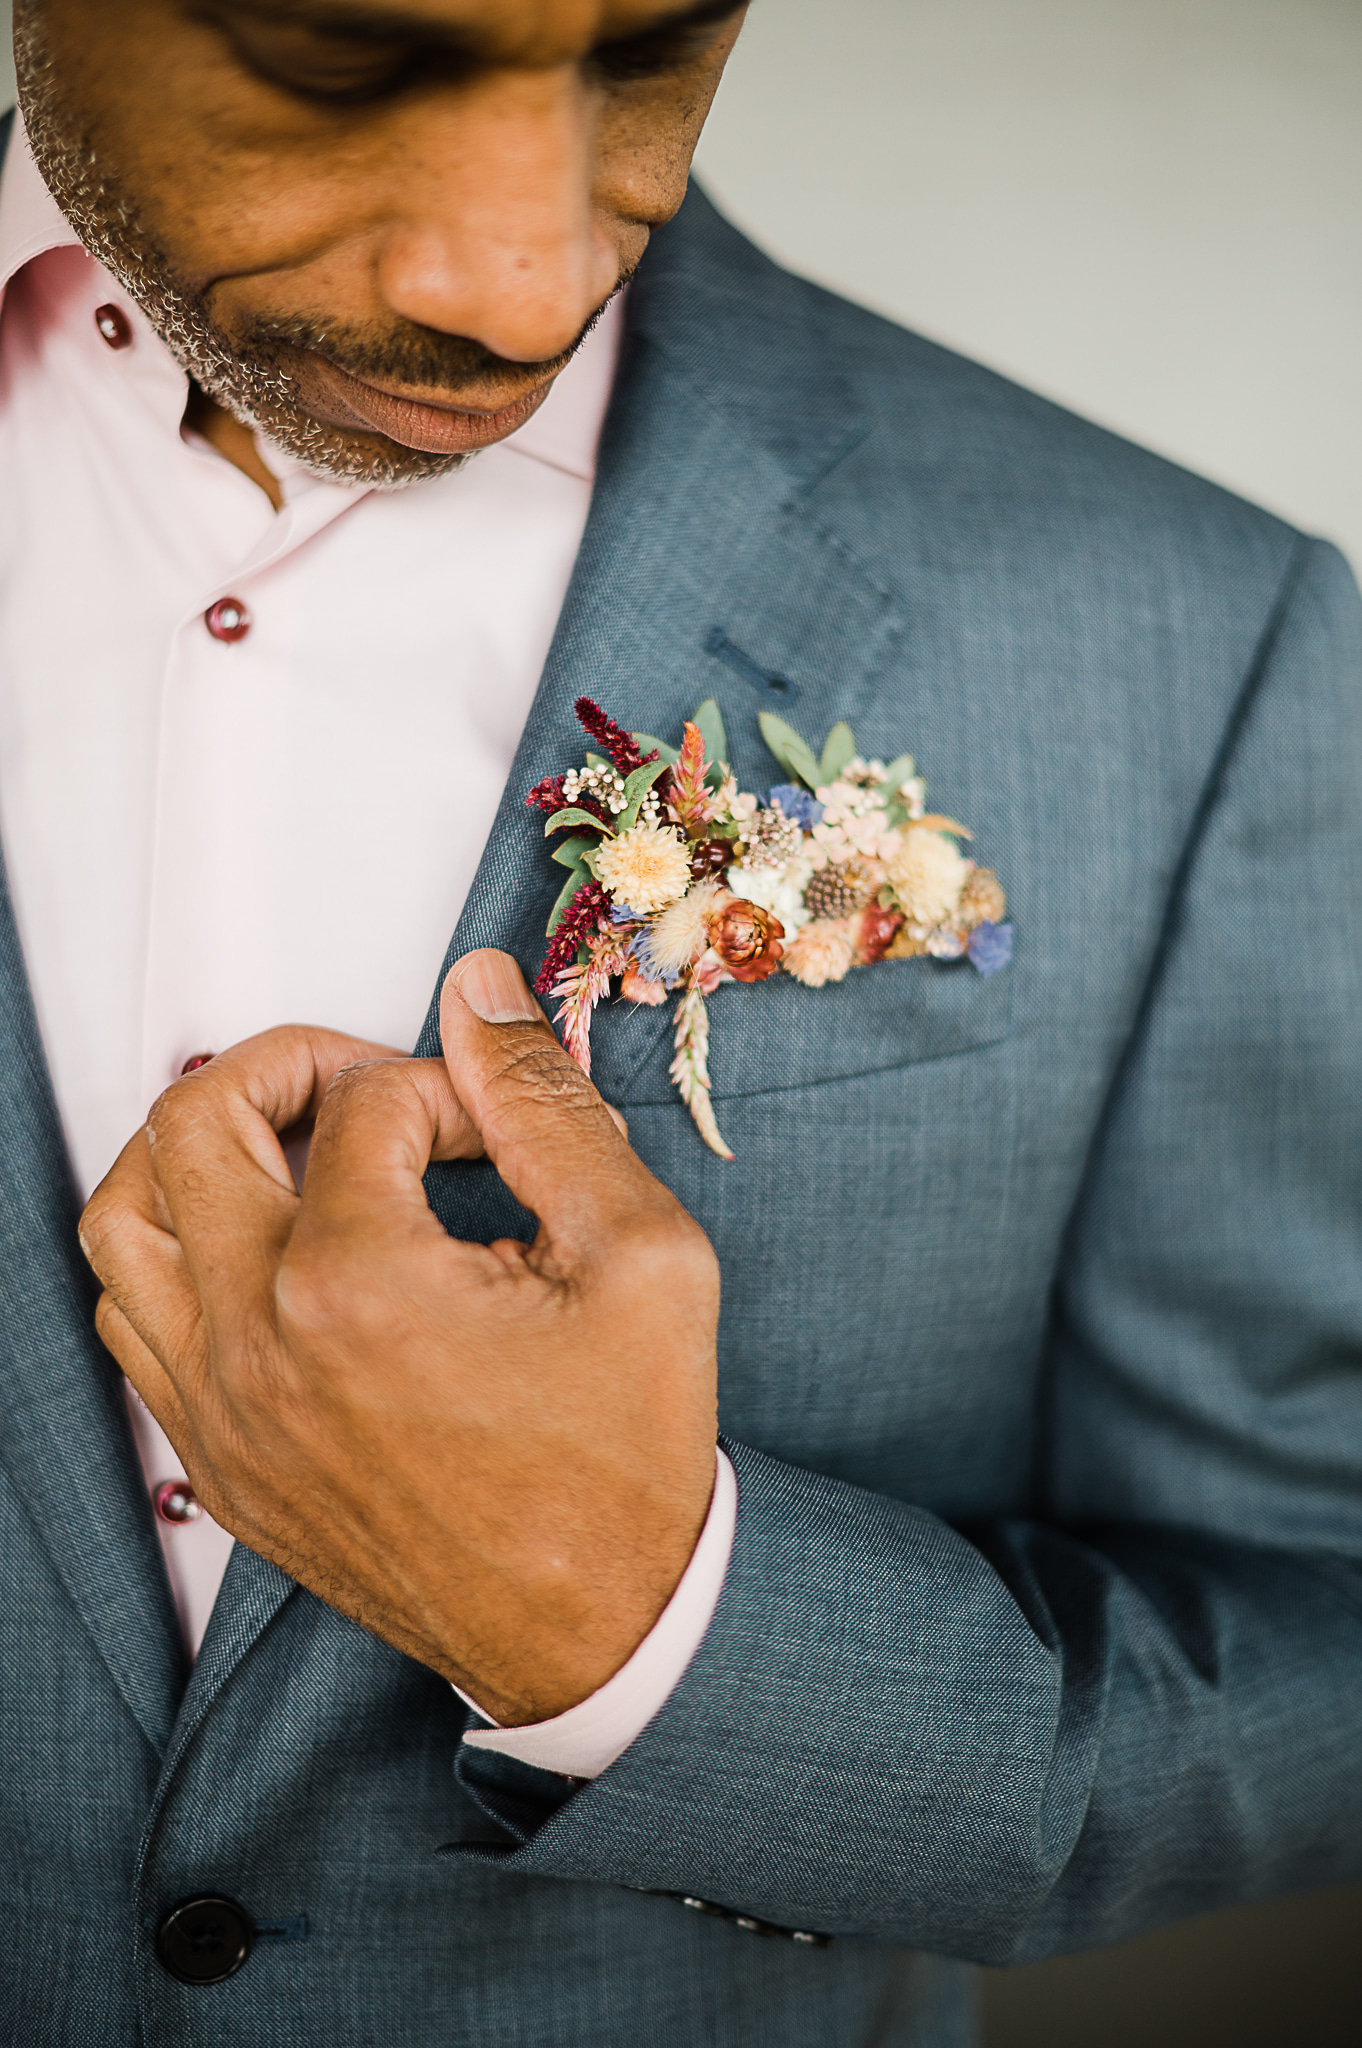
(375, 229)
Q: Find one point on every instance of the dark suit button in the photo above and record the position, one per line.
(204, 1940)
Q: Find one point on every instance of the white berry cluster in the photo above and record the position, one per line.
(771, 839)
(604, 784)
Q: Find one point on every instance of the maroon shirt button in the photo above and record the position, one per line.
(176, 1502)
(114, 326)
(228, 619)
(194, 1062)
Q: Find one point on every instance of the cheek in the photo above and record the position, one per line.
(645, 142)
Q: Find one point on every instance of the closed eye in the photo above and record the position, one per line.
(670, 47)
(353, 58)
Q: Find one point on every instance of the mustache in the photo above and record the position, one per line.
(409, 354)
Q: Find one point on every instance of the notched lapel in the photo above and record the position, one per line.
(705, 571)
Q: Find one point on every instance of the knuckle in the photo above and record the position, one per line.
(104, 1230)
(351, 1089)
(312, 1294)
(332, 1297)
(181, 1100)
(541, 1072)
(668, 1251)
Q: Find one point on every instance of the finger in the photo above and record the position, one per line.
(223, 1176)
(141, 1365)
(126, 1235)
(379, 1127)
(545, 1128)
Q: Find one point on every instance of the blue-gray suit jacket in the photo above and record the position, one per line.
(1042, 1301)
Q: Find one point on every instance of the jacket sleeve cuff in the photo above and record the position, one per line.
(588, 1738)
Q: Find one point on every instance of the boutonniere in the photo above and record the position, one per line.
(677, 880)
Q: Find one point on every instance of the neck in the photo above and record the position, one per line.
(232, 440)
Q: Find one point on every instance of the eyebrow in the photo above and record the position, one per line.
(381, 24)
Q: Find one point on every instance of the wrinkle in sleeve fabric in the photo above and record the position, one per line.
(1145, 1701)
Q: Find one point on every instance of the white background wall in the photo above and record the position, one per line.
(1149, 209)
(1146, 208)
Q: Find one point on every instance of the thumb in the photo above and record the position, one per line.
(559, 1148)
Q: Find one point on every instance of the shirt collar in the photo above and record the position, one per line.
(31, 222)
(564, 433)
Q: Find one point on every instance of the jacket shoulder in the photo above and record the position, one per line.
(934, 439)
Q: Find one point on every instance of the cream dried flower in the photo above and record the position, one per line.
(822, 952)
(983, 901)
(928, 872)
(732, 804)
(644, 868)
(779, 890)
(681, 931)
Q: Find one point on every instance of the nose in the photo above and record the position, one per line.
(493, 234)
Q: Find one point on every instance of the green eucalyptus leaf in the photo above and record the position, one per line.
(646, 744)
(789, 749)
(571, 851)
(573, 815)
(838, 748)
(577, 879)
(710, 720)
(898, 772)
(640, 781)
(598, 761)
(636, 787)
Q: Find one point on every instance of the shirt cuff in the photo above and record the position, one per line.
(586, 1740)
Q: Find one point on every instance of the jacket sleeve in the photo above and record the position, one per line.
(1146, 1701)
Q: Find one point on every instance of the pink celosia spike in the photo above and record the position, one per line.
(686, 792)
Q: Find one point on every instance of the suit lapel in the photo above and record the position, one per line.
(704, 571)
(63, 1426)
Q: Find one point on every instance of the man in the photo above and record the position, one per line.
(1022, 1608)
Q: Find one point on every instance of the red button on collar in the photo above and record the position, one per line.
(114, 326)
(228, 619)
(176, 1502)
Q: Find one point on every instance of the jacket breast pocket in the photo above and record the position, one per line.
(778, 1035)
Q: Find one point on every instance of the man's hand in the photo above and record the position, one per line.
(498, 1459)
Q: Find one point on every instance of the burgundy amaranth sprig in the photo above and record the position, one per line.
(617, 743)
(549, 796)
(585, 915)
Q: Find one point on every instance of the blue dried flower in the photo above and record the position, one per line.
(620, 913)
(798, 805)
(990, 947)
(641, 947)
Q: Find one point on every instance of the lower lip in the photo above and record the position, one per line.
(435, 429)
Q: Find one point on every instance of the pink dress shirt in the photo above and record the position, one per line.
(249, 760)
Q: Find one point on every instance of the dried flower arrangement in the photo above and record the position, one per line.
(679, 881)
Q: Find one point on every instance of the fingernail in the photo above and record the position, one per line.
(494, 989)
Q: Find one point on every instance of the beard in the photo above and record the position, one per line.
(247, 371)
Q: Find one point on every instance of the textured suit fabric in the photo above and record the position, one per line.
(1042, 1300)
